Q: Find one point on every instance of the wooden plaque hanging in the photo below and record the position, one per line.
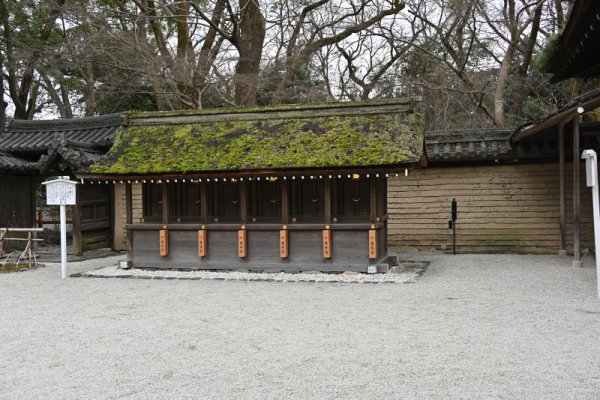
(283, 243)
(327, 244)
(242, 243)
(164, 242)
(202, 243)
(372, 244)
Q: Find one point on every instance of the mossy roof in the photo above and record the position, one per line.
(376, 133)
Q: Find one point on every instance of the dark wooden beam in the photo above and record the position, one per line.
(285, 203)
(76, 221)
(381, 198)
(243, 203)
(165, 203)
(327, 199)
(340, 226)
(254, 194)
(129, 218)
(373, 199)
(203, 203)
(32, 219)
(563, 201)
(179, 195)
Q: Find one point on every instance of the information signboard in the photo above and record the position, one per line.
(60, 192)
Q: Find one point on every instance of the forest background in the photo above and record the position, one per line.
(472, 63)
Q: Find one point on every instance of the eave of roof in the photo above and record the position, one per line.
(37, 136)
(322, 136)
(575, 53)
(588, 101)
(10, 163)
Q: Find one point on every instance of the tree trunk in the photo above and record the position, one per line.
(529, 45)
(501, 86)
(180, 69)
(90, 103)
(3, 104)
(207, 53)
(249, 43)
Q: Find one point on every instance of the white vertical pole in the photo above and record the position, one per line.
(63, 241)
(591, 161)
(596, 231)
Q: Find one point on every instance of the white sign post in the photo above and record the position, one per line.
(61, 192)
(591, 169)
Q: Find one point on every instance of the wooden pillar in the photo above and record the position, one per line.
(576, 196)
(285, 202)
(327, 239)
(76, 223)
(254, 194)
(372, 200)
(327, 199)
(563, 201)
(203, 203)
(128, 219)
(178, 206)
(243, 203)
(382, 214)
(165, 203)
(32, 204)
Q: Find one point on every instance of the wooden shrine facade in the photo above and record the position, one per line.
(294, 223)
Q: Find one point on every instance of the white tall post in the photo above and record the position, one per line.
(63, 241)
(61, 192)
(591, 164)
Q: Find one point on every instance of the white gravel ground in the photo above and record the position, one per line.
(474, 326)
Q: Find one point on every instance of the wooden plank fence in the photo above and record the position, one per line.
(502, 208)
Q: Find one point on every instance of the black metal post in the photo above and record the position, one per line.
(454, 217)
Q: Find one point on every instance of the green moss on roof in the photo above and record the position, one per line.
(365, 137)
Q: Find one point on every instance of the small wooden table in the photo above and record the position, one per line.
(27, 253)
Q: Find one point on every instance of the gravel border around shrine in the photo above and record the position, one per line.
(406, 276)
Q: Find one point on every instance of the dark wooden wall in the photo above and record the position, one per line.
(17, 208)
(92, 219)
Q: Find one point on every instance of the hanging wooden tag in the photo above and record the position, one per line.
(202, 243)
(283, 243)
(164, 242)
(372, 244)
(242, 243)
(327, 244)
